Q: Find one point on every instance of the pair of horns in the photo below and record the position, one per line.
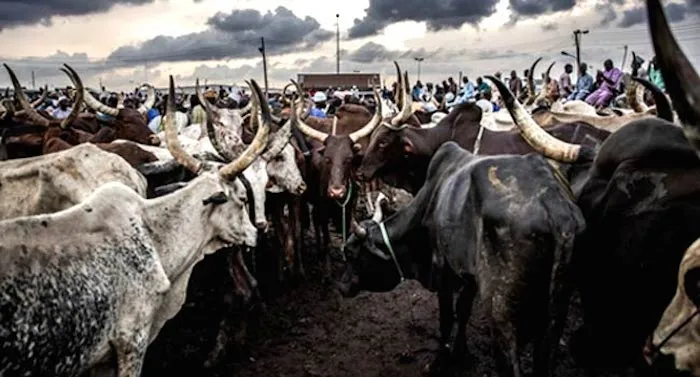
(104, 109)
(278, 142)
(367, 129)
(232, 169)
(29, 108)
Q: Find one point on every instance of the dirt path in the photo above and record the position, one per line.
(310, 331)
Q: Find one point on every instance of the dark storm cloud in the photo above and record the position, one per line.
(439, 14)
(230, 36)
(537, 7)
(29, 12)
(675, 12)
(608, 12)
(372, 52)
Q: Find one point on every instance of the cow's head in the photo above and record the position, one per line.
(226, 140)
(339, 151)
(389, 145)
(226, 204)
(284, 172)
(675, 344)
(371, 266)
(129, 123)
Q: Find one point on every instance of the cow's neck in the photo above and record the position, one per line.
(425, 143)
(408, 219)
(182, 211)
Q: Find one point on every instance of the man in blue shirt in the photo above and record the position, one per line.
(320, 104)
(466, 94)
(584, 85)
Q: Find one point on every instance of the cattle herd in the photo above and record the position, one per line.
(102, 221)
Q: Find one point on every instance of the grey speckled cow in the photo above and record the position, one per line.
(107, 273)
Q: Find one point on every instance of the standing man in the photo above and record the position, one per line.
(655, 75)
(515, 84)
(319, 99)
(565, 87)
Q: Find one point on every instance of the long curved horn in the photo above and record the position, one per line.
(682, 82)
(285, 100)
(373, 123)
(171, 141)
(549, 70)
(663, 107)
(538, 138)
(531, 83)
(78, 100)
(282, 136)
(407, 108)
(150, 99)
(258, 144)
(31, 112)
(308, 130)
(398, 98)
(42, 98)
(97, 105)
(211, 132)
(543, 93)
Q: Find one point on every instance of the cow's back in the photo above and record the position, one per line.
(47, 184)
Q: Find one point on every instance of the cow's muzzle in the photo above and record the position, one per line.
(336, 192)
(349, 283)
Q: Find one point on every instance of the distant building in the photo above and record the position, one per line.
(323, 81)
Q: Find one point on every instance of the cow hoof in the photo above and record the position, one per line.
(440, 367)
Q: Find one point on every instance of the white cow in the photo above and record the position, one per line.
(684, 344)
(108, 273)
(50, 183)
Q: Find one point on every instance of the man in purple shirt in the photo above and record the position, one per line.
(609, 85)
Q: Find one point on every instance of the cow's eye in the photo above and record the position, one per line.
(382, 144)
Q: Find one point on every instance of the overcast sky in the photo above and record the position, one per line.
(126, 42)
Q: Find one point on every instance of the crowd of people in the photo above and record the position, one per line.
(599, 92)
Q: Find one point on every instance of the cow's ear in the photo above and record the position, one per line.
(407, 146)
(218, 198)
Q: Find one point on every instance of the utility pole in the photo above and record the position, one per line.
(337, 43)
(577, 40)
(33, 81)
(419, 59)
(262, 51)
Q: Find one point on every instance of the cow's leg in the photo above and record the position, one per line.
(505, 346)
(561, 289)
(440, 365)
(278, 222)
(297, 234)
(464, 311)
(130, 350)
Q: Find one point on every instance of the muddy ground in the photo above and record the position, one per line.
(305, 329)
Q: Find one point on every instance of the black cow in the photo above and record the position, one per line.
(503, 226)
(641, 201)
